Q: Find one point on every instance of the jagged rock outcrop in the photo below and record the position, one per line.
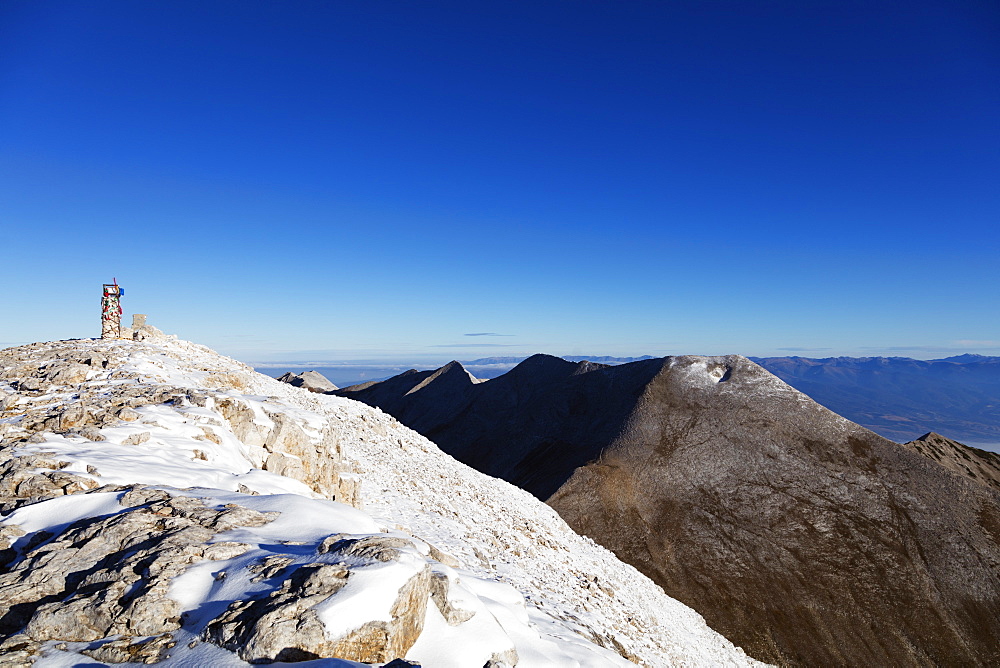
(104, 582)
(313, 381)
(982, 466)
(109, 576)
(87, 395)
(803, 537)
(286, 625)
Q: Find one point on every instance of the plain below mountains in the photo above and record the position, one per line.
(899, 397)
(801, 536)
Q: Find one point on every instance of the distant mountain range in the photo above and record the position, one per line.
(901, 398)
(801, 536)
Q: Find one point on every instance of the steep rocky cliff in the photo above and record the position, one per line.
(161, 503)
(802, 537)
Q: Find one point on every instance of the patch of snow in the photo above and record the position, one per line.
(56, 514)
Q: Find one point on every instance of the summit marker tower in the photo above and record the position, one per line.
(111, 311)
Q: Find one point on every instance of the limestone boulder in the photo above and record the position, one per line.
(146, 332)
(287, 625)
(66, 373)
(30, 478)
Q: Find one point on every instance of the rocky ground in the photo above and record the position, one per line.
(161, 503)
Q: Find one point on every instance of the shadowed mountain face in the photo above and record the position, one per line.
(532, 426)
(801, 536)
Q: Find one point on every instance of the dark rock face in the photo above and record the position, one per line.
(803, 537)
(533, 426)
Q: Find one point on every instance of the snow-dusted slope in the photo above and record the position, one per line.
(166, 503)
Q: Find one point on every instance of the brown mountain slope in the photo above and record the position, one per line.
(981, 466)
(801, 536)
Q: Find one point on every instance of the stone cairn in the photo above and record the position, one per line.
(111, 311)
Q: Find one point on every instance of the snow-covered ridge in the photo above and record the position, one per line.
(211, 484)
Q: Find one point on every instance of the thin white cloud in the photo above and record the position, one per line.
(954, 347)
(475, 345)
(978, 344)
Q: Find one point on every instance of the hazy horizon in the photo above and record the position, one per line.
(431, 360)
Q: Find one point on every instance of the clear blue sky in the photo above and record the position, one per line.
(356, 180)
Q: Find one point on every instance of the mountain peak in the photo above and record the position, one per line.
(686, 465)
(980, 466)
(540, 362)
(88, 455)
(313, 381)
(968, 358)
(453, 374)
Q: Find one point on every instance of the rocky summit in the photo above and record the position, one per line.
(979, 465)
(313, 381)
(801, 536)
(162, 504)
